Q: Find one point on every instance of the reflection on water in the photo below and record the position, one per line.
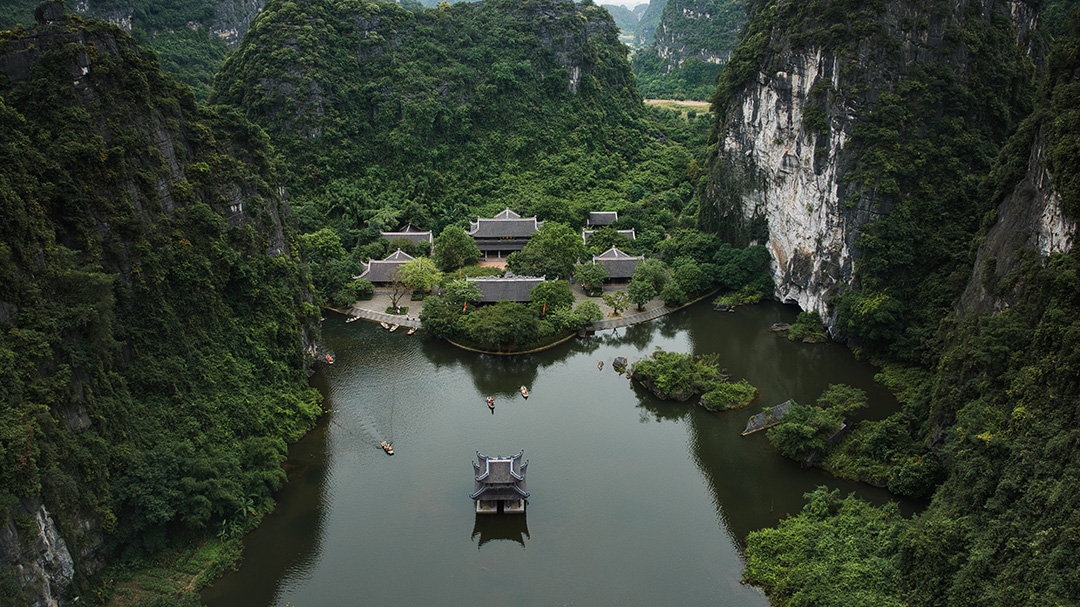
(634, 500)
(488, 527)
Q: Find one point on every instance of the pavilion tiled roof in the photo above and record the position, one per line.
(382, 271)
(618, 264)
(414, 235)
(499, 478)
(587, 234)
(510, 288)
(507, 224)
(602, 218)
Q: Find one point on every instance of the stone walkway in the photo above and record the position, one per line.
(374, 310)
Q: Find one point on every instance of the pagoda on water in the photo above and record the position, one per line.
(500, 484)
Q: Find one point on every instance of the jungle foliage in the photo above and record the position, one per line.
(434, 117)
(692, 28)
(988, 429)
(680, 376)
(176, 30)
(152, 302)
(506, 326)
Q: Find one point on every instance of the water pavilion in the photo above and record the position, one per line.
(500, 484)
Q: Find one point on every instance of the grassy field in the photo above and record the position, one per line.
(683, 107)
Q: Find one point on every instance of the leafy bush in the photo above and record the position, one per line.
(729, 395)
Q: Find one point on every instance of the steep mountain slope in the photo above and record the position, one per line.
(692, 42)
(447, 111)
(996, 413)
(153, 312)
(853, 137)
(190, 37)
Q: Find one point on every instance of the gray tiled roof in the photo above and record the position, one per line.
(510, 288)
(602, 218)
(500, 477)
(382, 271)
(415, 235)
(618, 264)
(505, 224)
(586, 234)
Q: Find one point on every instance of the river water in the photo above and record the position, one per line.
(635, 501)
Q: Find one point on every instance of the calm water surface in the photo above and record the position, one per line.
(635, 501)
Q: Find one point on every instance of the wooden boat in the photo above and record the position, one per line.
(524, 391)
(393, 328)
(384, 325)
(387, 447)
(352, 319)
(411, 330)
(491, 402)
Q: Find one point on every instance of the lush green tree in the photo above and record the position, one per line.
(652, 271)
(461, 292)
(419, 274)
(586, 313)
(641, 291)
(690, 277)
(502, 325)
(441, 317)
(551, 295)
(407, 246)
(673, 295)
(617, 301)
(606, 237)
(591, 276)
(454, 249)
(552, 252)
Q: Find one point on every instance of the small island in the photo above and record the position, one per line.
(679, 376)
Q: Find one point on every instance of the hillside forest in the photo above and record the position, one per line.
(177, 206)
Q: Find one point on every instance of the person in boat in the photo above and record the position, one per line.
(491, 401)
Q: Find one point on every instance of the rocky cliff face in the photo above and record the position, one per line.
(1030, 218)
(787, 152)
(704, 29)
(106, 165)
(39, 553)
(231, 21)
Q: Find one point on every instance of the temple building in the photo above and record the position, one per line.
(620, 266)
(503, 234)
(587, 234)
(413, 235)
(494, 289)
(384, 271)
(602, 218)
(500, 484)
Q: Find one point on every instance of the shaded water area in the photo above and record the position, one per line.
(635, 501)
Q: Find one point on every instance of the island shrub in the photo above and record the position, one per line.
(729, 395)
(808, 429)
(808, 328)
(745, 296)
(680, 376)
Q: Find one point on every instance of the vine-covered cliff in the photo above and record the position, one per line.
(153, 311)
(852, 138)
(691, 44)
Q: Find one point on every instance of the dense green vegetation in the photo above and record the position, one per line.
(989, 426)
(680, 376)
(684, 74)
(506, 326)
(152, 304)
(177, 31)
